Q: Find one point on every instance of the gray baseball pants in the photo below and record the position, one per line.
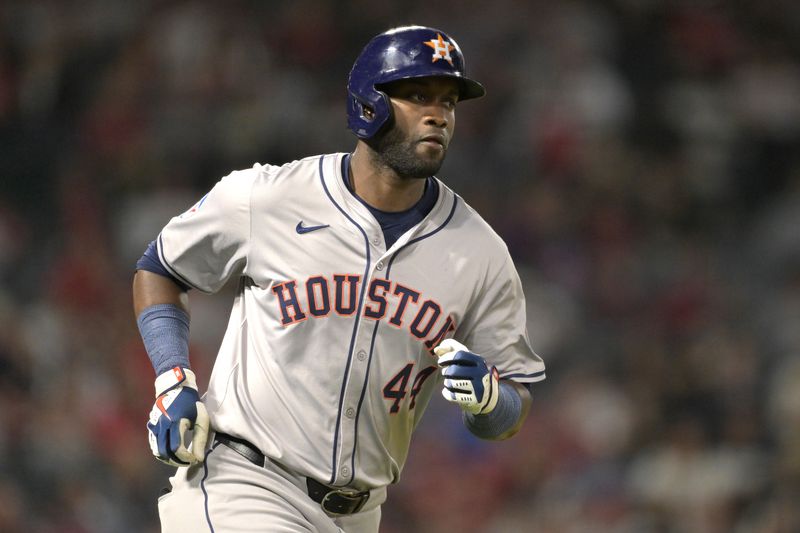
(229, 494)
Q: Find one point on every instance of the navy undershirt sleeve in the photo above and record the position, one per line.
(150, 262)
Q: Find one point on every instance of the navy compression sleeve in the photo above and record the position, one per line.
(165, 332)
(502, 418)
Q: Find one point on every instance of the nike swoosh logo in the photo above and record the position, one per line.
(308, 229)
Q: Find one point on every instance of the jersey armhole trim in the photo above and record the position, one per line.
(525, 378)
(171, 270)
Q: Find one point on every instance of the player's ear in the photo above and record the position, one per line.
(369, 113)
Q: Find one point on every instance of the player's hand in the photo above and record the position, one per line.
(178, 410)
(467, 380)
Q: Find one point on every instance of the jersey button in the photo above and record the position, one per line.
(345, 471)
(379, 266)
(376, 240)
(350, 412)
(361, 355)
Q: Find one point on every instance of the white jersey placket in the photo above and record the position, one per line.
(357, 376)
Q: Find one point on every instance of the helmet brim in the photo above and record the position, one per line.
(467, 88)
(471, 89)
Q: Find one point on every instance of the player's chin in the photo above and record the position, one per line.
(428, 165)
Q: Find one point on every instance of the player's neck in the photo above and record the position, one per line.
(380, 187)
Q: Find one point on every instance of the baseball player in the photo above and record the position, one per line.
(365, 285)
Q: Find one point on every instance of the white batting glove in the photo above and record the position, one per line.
(468, 382)
(178, 410)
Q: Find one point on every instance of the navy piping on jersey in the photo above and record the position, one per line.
(361, 401)
(524, 376)
(417, 239)
(355, 323)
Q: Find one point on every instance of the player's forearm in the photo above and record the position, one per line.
(162, 314)
(507, 418)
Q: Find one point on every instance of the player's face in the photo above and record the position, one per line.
(424, 119)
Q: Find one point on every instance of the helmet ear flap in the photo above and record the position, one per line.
(370, 112)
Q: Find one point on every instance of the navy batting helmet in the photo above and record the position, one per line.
(399, 54)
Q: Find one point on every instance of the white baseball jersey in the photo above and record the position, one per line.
(326, 364)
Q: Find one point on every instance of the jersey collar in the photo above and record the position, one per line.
(333, 170)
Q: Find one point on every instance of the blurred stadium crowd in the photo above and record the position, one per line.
(640, 157)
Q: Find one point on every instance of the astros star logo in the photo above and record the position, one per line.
(441, 49)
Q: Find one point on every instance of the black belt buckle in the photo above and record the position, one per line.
(336, 501)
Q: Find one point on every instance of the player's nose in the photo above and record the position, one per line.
(436, 116)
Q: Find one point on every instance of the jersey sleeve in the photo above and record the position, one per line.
(206, 245)
(496, 326)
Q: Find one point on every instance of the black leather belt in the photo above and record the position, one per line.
(335, 501)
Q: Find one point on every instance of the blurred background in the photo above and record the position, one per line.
(640, 157)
